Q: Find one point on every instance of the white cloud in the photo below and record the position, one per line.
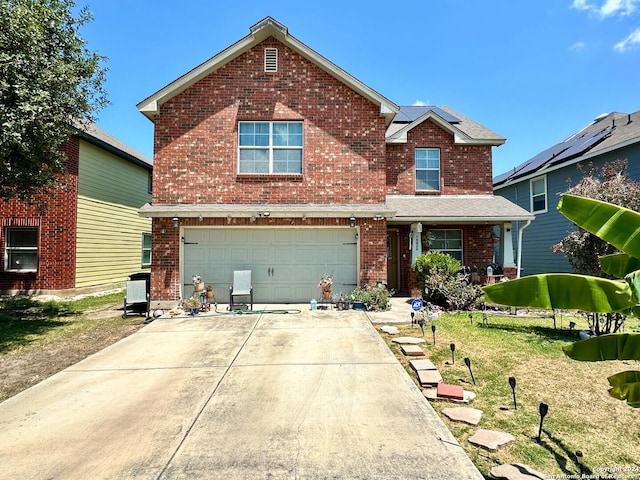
(608, 8)
(577, 46)
(419, 103)
(630, 41)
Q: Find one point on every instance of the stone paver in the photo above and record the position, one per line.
(412, 350)
(446, 390)
(409, 340)
(491, 440)
(432, 394)
(516, 471)
(469, 415)
(391, 330)
(429, 377)
(422, 364)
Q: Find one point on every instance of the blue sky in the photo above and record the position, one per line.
(533, 71)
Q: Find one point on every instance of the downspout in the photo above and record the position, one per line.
(520, 247)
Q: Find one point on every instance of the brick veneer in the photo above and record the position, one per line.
(465, 169)
(57, 242)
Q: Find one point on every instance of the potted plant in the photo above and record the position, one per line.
(198, 285)
(209, 291)
(191, 305)
(326, 281)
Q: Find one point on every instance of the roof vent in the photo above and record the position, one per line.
(270, 59)
(602, 116)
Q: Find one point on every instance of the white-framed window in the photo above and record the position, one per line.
(446, 241)
(427, 169)
(21, 249)
(146, 249)
(538, 188)
(270, 147)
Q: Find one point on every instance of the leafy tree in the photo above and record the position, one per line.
(49, 81)
(609, 183)
(620, 227)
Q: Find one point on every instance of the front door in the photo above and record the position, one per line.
(392, 259)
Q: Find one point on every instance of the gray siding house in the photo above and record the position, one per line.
(536, 185)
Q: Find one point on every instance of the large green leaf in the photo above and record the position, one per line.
(563, 291)
(619, 264)
(626, 386)
(616, 346)
(616, 225)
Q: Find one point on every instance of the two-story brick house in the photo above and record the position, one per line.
(271, 158)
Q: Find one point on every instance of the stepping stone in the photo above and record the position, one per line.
(391, 330)
(425, 364)
(409, 340)
(516, 471)
(412, 350)
(472, 416)
(491, 440)
(429, 377)
(432, 394)
(446, 390)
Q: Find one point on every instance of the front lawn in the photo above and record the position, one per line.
(582, 416)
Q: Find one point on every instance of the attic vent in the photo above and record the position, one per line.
(270, 59)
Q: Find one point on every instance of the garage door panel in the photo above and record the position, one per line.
(286, 263)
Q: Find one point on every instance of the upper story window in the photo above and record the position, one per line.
(21, 249)
(427, 169)
(538, 188)
(146, 249)
(447, 241)
(270, 147)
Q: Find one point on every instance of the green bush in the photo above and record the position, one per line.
(442, 282)
(375, 297)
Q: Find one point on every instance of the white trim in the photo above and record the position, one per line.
(546, 194)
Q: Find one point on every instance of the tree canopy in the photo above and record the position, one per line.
(49, 83)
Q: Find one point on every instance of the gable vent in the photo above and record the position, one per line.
(270, 59)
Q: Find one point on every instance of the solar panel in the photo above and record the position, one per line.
(582, 144)
(412, 113)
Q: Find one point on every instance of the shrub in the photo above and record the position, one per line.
(443, 283)
(375, 297)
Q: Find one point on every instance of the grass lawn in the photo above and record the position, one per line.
(40, 339)
(582, 415)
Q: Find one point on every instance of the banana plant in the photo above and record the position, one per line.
(620, 227)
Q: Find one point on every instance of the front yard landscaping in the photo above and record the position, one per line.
(581, 417)
(40, 339)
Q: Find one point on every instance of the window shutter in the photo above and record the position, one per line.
(270, 59)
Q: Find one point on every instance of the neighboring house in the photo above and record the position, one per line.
(90, 237)
(271, 158)
(537, 183)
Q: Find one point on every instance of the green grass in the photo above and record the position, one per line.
(582, 416)
(28, 323)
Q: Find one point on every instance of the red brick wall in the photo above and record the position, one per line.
(464, 169)
(57, 242)
(195, 136)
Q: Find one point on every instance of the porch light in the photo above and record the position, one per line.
(352, 222)
(176, 222)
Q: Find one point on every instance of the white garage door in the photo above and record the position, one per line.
(286, 263)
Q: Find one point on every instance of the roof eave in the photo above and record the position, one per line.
(267, 27)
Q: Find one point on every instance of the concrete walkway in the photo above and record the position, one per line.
(310, 395)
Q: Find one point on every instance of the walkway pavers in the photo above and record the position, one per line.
(422, 364)
(516, 471)
(491, 440)
(409, 340)
(390, 329)
(429, 377)
(411, 350)
(469, 415)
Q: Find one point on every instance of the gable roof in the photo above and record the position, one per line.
(608, 132)
(96, 136)
(463, 129)
(267, 27)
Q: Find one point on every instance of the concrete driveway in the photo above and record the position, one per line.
(310, 395)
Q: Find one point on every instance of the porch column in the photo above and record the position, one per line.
(415, 242)
(507, 247)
